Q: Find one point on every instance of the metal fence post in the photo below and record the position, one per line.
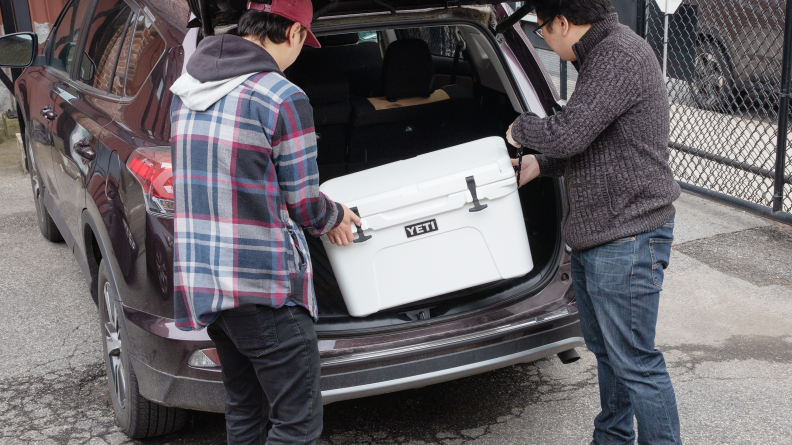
(783, 112)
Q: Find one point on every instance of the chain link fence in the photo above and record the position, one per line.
(723, 61)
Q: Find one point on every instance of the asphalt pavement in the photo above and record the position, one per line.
(725, 328)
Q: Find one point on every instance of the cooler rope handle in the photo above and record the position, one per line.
(519, 164)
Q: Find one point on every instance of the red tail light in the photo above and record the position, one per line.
(152, 168)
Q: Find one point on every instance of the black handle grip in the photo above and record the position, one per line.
(361, 236)
(477, 207)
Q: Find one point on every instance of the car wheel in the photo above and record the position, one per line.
(163, 267)
(713, 83)
(47, 227)
(137, 417)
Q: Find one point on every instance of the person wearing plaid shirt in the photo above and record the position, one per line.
(245, 183)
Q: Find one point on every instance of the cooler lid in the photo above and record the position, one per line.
(423, 177)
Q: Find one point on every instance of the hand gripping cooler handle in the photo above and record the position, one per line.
(477, 207)
(361, 236)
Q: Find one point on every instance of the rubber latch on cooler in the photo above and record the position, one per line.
(361, 236)
(471, 183)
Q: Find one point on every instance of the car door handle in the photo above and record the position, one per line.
(49, 113)
(84, 149)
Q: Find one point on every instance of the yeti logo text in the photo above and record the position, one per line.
(421, 228)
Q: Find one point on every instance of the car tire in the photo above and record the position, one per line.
(137, 417)
(713, 87)
(47, 227)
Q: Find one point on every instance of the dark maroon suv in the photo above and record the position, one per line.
(94, 111)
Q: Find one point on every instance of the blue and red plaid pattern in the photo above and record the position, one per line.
(245, 182)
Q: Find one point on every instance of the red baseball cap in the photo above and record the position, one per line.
(300, 11)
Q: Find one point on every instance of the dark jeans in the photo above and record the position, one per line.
(270, 363)
(617, 286)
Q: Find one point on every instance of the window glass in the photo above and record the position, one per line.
(121, 66)
(147, 47)
(441, 39)
(367, 36)
(105, 38)
(67, 36)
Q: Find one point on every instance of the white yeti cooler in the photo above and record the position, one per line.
(424, 233)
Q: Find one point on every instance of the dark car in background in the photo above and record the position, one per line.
(738, 52)
(94, 112)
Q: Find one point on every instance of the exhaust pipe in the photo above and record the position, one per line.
(568, 356)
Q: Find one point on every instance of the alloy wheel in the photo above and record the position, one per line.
(162, 272)
(112, 334)
(712, 78)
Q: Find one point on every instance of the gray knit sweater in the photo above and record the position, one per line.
(610, 142)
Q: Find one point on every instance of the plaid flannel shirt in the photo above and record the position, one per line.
(245, 180)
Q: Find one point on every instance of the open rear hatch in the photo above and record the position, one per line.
(205, 10)
(359, 128)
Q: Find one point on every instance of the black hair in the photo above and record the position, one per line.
(264, 26)
(261, 24)
(578, 12)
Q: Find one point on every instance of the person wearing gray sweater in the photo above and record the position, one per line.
(610, 144)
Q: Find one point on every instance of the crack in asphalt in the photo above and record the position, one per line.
(68, 406)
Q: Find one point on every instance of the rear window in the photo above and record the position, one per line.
(441, 39)
(66, 36)
(147, 47)
(367, 36)
(105, 37)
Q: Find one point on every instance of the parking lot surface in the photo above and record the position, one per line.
(725, 327)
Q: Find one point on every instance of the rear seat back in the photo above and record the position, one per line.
(328, 75)
(329, 97)
(360, 62)
(328, 94)
(411, 118)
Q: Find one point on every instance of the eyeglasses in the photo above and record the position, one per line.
(538, 31)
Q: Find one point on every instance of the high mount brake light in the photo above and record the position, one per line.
(153, 169)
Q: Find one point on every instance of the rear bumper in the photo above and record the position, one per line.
(209, 395)
(449, 367)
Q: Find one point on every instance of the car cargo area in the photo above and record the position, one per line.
(458, 92)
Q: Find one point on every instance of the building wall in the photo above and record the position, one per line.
(43, 14)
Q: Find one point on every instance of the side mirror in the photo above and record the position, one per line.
(18, 50)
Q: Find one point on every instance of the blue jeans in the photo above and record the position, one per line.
(617, 286)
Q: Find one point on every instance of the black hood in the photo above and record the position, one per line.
(227, 56)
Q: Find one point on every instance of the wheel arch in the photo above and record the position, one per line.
(97, 247)
(93, 257)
